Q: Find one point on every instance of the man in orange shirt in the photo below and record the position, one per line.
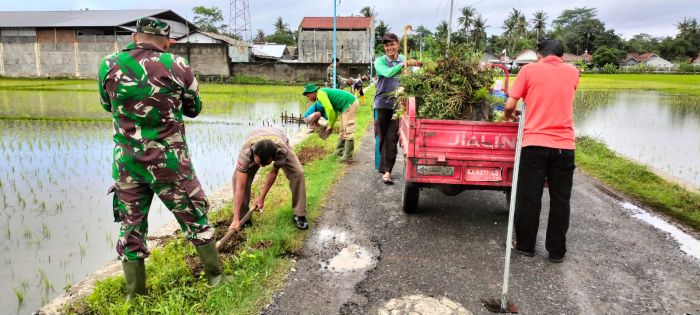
(547, 88)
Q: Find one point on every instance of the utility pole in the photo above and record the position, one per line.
(335, 45)
(371, 48)
(239, 19)
(449, 24)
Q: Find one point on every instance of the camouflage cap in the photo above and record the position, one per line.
(151, 25)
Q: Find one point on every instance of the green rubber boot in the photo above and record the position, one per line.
(212, 266)
(339, 148)
(347, 153)
(135, 276)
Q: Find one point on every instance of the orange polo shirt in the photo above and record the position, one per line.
(547, 88)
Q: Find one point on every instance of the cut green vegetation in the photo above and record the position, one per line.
(638, 181)
(259, 261)
(453, 87)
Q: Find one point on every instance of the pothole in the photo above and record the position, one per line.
(353, 257)
(422, 305)
(326, 235)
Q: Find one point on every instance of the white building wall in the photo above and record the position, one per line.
(198, 38)
(317, 46)
(659, 62)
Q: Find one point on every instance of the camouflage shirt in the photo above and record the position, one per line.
(147, 91)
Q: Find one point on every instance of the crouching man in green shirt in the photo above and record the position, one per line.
(334, 105)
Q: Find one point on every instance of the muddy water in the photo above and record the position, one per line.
(661, 131)
(56, 224)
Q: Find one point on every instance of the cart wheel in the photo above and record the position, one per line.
(411, 193)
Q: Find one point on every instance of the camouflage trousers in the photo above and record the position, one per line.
(132, 201)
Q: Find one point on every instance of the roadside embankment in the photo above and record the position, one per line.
(638, 181)
(259, 260)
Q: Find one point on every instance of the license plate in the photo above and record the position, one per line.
(479, 174)
(434, 170)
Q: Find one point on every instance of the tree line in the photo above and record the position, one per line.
(579, 29)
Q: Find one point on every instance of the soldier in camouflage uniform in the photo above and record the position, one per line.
(148, 90)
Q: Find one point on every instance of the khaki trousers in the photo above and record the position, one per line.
(347, 122)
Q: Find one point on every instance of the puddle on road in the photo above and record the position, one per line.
(423, 305)
(687, 242)
(353, 257)
(325, 235)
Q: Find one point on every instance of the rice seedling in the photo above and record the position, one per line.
(27, 233)
(82, 252)
(45, 231)
(20, 298)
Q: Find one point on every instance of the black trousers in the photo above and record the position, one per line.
(386, 131)
(536, 165)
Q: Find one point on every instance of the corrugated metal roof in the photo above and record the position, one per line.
(87, 18)
(272, 51)
(345, 23)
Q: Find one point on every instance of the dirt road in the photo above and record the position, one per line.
(365, 256)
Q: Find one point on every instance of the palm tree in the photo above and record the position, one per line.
(539, 24)
(467, 18)
(515, 27)
(259, 36)
(280, 26)
(478, 32)
(441, 30)
(520, 24)
(508, 31)
(687, 27)
(368, 12)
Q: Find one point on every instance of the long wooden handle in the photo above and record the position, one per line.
(406, 29)
(232, 232)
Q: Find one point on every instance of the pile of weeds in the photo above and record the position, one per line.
(455, 86)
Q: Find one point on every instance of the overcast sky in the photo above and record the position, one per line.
(627, 17)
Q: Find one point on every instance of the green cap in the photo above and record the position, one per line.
(310, 88)
(151, 25)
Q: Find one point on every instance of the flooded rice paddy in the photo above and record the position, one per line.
(659, 130)
(55, 143)
(56, 224)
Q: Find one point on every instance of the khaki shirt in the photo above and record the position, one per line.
(245, 157)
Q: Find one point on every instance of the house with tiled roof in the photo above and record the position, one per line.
(574, 59)
(524, 57)
(648, 59)
(354, 39)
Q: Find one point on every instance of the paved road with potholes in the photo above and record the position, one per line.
(365, 256)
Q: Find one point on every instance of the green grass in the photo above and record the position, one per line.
(258, 270)
(667, 83)
(78, 100)
(638, 181)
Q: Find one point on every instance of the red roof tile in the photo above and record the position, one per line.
(345, 23)
(587, 57)
(638, 57)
